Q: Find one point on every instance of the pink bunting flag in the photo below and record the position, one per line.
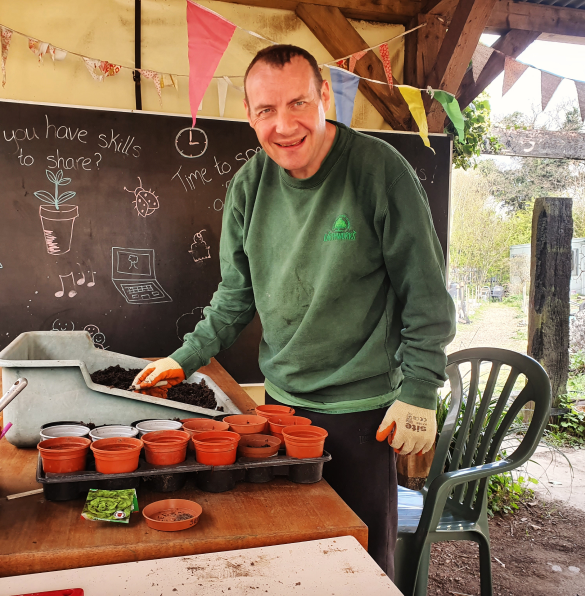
(479, 59)
(548, 85)
(38, 48)
(581, 97)
(93, 65)
(513, 70)
(354, 58)
(5, 37)
(385, 55)
(155, 78)
(209, 35)
(109, 69)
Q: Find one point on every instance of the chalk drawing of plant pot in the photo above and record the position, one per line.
(57, 221)
(58, 227)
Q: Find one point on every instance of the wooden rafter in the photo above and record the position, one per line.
(512, 44)
(339, 38)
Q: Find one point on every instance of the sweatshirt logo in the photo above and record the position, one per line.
(341, 230)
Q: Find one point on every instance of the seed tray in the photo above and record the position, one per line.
(216, 479)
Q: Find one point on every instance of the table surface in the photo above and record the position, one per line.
(39, 535)
(338, 566)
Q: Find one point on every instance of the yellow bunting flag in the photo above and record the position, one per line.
(414, 100)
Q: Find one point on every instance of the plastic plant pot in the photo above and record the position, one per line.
(194, 426)
(111, 431)
(171, 515)
(277, 423)
(116, 455)
(304, 441)
(216, 447)
(62, 455)
(149, 426)
(244, 424)
(268, 411)
(258, 446)
(64, 430)
(166, 447)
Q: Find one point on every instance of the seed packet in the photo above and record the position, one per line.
(110, 505)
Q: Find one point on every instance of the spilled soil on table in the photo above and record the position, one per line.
(539, 551)
(195, 394)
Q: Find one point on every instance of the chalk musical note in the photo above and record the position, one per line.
(61, 292)
(91, 283)
(81, 281)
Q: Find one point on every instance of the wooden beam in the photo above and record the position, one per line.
(552, 144)
(536, 17)
(512, 44)
(339, 38)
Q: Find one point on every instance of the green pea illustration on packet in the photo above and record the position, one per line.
(110, 505)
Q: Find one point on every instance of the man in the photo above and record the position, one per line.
(327, 234)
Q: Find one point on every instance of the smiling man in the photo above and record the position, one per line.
(327, 234)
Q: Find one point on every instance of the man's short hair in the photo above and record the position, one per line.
(281, 54)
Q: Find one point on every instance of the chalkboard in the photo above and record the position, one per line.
(131, 253)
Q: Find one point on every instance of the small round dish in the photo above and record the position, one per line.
(258, 446)
(170, 515)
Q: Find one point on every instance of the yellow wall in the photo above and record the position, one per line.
(104, 29)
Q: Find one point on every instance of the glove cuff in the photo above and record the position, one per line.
(188, 359)
(418, 393)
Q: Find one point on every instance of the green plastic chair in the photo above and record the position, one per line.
(453, 504)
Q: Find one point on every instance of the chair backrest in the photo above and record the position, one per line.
(480, 415)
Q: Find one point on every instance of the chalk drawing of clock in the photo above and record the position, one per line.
(191, 142)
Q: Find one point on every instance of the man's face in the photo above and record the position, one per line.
(288, 114)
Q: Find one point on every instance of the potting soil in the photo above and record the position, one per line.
(172, 515)
(195, 394)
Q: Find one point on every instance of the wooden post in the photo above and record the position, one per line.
(550, 277)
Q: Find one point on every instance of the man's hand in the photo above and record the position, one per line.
(165, 371)
(409, 429)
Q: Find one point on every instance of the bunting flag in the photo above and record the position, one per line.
(222, 87)
(479, 59)
(452, 109)
(345, 86)
(209, 35)
(5, 37)
(513, 70)
(57, 53)
(385, 55)
(109, 69)
(169, 80)
(548, 86)
(414, 100)
(581, 97)
(155, 77)
(354, 58)
(93, 65)
(38, 48)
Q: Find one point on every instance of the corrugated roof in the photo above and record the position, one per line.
(561, 3)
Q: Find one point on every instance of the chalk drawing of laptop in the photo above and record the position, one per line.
(134, 276)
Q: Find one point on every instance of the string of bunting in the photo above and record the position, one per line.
(209, 35)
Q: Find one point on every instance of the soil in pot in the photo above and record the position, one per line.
(166, 447)
(63, 455)
(244, 424)
(258, 446)
(116, 455)
(170, 515)
(195, 394)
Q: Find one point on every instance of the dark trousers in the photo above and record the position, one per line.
(363, 473)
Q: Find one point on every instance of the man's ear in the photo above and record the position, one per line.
(325, 95)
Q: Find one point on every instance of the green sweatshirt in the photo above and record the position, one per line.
(346, 272)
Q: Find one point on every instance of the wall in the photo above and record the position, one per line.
(105, 30)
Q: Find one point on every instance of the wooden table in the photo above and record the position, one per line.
(337, 566)
(38, 535)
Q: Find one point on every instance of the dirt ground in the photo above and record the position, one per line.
(539, 551)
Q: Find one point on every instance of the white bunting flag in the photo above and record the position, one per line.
(5, 37)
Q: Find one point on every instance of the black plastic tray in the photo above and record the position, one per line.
(215, 479)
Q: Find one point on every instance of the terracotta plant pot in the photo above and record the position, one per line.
(246, 425)
(258, 446)
(216, 447)
(277, 423)
(116, 455)
(58, 227)
(194, 426)
(304, 441)
(62, 455)
(171, 515)
(166, 447)
(268, 411)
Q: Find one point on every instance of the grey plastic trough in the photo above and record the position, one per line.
(58, 364)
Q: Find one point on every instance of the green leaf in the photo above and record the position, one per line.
(66, 196)
(45, 196)
(59, 177)
(50, 176)
(64, 181)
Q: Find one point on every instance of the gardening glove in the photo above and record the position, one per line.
(165, 371)
(409, 429)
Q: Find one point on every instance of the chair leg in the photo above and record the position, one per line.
(485, 565)
(422, 577)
